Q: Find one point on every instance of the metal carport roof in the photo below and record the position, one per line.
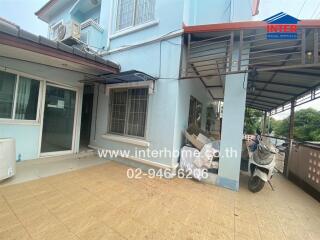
(279, 71)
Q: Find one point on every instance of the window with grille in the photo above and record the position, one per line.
(134, 12)
(128, 111)
(195, 112)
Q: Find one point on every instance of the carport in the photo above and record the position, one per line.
(240, 66)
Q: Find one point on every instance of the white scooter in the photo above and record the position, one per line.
(260, 165)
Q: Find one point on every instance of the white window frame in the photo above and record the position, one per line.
(133, 25)
(12, 120)
(52, 27)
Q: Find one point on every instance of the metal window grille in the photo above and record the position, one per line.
(195, 111)
(134, 12)
(125, 14)
(128, 111)
(144, 11)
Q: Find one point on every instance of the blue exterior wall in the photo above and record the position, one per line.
(168, 107)
(27, 136)
(207, 12)
(143, 48)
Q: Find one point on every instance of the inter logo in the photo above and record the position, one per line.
(282, 26)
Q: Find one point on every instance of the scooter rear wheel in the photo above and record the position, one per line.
(255, 184)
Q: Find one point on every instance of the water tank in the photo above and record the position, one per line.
(7, 158)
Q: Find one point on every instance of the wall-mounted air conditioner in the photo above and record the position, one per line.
(68, 33)
(7, 158)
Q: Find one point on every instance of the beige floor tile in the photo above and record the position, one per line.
(16, 233)
(272, 235)
(101, 203)
(67, 210)
(99, 231)
(41, 223)
(30, 213)
(79, 223)
(57, 232)
(220, 233)
(8, 221)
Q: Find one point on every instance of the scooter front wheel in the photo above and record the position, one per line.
(255, 184)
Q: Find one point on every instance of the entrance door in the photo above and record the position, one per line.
(58, 120)
(86, 117)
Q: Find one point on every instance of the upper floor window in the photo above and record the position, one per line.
(134, 12)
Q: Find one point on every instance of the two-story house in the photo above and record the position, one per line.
(143, 37)
(132, 75)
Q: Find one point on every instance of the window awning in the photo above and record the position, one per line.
(123, 77)
(278, 71)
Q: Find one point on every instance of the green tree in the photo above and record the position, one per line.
(306, 126)
(253, 119)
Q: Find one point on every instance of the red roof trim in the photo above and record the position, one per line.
(240, 25)
(37, 48)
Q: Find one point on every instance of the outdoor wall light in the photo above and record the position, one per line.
(309, 53)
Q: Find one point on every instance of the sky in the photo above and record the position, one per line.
(22, 12)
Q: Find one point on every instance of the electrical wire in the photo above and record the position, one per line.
(304, 3)
(316, 10)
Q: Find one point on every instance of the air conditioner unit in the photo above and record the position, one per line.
(7, 158)
(68, 33)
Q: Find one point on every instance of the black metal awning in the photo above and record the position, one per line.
(123, 77)
(279, 71)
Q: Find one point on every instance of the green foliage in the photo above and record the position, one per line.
(253, 119)
(306, 125)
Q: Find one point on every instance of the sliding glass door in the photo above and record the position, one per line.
(58, 120)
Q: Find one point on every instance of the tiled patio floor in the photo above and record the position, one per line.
(100, 202)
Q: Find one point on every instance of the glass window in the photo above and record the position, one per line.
(7, 91)
(128, 111)
(195, 112)
(27, 99)
(144, 11)
(125, 14)
(118, 110)
(24, 100)
(137, 111)
(134, 12)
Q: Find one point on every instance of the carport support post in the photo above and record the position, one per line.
(264, 126)
(232, 131)
(232, 125)
(290, 139)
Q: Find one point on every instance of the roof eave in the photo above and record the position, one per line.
(40, 13)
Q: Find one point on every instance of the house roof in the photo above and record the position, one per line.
(50, 8)
(13, 37)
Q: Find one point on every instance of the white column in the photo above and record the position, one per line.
(232, 126)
